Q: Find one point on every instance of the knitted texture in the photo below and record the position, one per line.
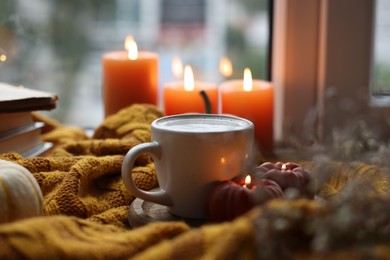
(86, 207)
(231, 240)
(61, 237)
(130, 122)
(81, 176)
(333, 177)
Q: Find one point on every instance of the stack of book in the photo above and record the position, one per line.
(19, 132)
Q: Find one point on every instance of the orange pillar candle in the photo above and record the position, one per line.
(129, 77)
(253, 100)
(184, 97)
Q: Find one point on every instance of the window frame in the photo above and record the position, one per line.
(322, 59)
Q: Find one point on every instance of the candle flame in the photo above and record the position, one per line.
(248, 180)
(247, 80)
(131, 47)
(177, 67)
(189, 84)
(3, 57)
(225, 67)
(284, 167)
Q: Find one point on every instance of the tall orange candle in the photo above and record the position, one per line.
(184, 97)
(129, 77)
(253, 100)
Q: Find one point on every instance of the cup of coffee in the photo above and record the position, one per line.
(192, 153)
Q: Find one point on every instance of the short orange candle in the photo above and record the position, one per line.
(253, 100)
(129, 78)
(184, 97)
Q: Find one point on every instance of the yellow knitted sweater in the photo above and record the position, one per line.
(86, 207)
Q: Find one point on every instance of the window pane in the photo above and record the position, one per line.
(382, 48)
(57, 45)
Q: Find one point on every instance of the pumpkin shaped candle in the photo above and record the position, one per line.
(230, 199)
(20, 194)
(287, 175)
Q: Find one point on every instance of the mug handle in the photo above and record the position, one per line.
(154, 149)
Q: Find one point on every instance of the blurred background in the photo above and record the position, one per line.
(57, 45)
(381, 52)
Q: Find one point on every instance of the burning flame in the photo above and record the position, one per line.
(248, 180)
(131, 47)
(225, 67)
(177, 67)
(284, 167)
(223, 160)
(188, 78)
(3, 57)
(247, 80)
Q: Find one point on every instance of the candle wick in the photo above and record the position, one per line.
(206, 101)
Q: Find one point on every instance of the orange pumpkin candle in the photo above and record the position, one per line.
(253, 100)
(287, 175)
(184, 97)
(230, 199)
(129, 77)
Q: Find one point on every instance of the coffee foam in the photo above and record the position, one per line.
(202, 123)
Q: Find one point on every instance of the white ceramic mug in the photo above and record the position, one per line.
(192, 152)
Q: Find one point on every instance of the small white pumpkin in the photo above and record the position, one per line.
(20, 195)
